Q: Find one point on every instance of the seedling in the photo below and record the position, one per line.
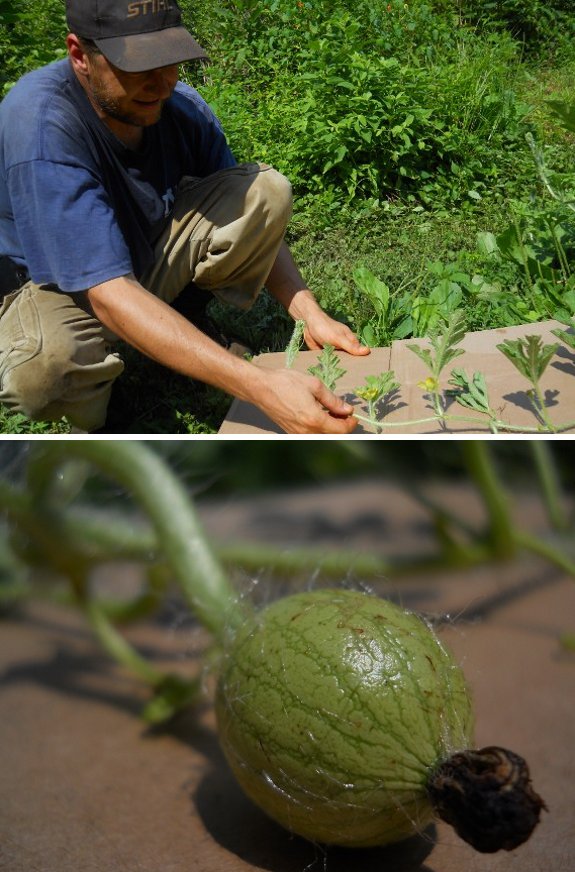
(470, 391)
(328, 368)
(567, 317)
(443, 351)
(529, 356)
(567, 338)
(376, 389)
(294, 344)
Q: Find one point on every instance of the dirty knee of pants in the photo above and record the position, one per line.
(54, 360)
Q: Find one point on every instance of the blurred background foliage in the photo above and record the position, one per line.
(220, 467)
(248, 467)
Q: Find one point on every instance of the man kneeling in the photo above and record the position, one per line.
(118, 191)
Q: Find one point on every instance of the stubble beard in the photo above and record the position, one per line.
(110, 106)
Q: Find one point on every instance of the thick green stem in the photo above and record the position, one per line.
(38, 535)
(165, 501)
(479, 462)
(60, 489)
(94, 535)
(101, 537)
(338, 564)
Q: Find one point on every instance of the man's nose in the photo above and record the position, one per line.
(162, 81)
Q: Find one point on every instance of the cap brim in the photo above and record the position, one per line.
(150, 51)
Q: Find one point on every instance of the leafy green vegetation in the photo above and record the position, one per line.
(31, 34)
(429, 144)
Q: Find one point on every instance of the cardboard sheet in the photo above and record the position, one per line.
(507, 388)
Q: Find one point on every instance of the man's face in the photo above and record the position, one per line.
(135, 99)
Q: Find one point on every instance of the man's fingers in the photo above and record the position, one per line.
(338, 335)
(348, 341)
(301, 403)
(354, 346)
(335, 405)
(339, 425)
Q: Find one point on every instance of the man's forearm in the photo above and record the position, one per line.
(286, 284)
(158, 331)
(294, 400)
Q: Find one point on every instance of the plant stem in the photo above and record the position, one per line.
(544, 549)
(138, 469)
(95, 536)
(541, 408)
(446, 418)
(100, 539)
(336, 564)
(549, 482)
(479, 461)
(60, 489)
(117, 646)
(436, 403)
(37, 534)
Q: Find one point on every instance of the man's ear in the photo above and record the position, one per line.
(77, 55)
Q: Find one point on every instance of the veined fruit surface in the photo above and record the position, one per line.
(333, 709)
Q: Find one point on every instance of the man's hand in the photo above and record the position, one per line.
(321, 330)
(286, 284)
(300, 403)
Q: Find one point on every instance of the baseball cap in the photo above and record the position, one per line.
(134, 36)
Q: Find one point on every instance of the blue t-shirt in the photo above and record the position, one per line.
(77, 207)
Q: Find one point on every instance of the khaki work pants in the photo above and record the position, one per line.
(57, 360)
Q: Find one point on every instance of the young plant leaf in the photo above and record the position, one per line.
(567, 338)
(376, 387)
(470, 391)
(376, 290)
(568, 318)
(172, 695)
(443, 345)
(564, 112)
(424, 354)
(528, 355)
(294, 344)
(327, 368)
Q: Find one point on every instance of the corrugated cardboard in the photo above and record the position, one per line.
(507, 388)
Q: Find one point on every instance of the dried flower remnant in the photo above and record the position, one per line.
(487, 797)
